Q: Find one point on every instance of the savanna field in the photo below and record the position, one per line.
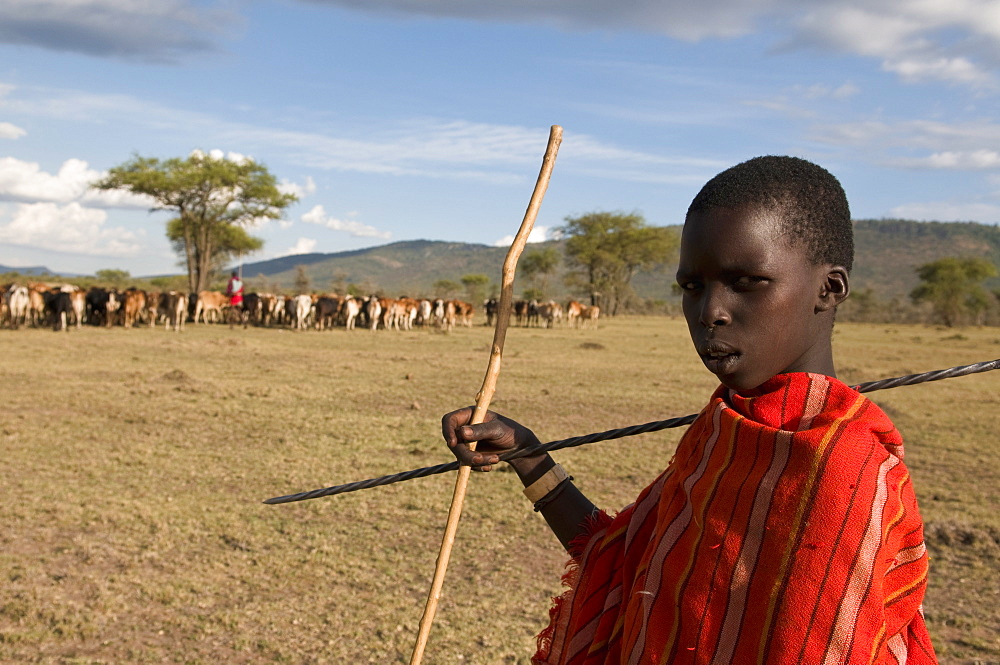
(134, 463)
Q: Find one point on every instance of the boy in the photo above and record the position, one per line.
(785, 528)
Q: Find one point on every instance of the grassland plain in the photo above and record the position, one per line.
(135, 461)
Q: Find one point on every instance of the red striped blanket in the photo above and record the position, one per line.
(784, 530)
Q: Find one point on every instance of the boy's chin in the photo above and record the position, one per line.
(732, 372)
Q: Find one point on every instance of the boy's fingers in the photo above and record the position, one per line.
(452, 421)
(474, 458)
(492, 431)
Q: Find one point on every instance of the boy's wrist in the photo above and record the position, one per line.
(530, 469)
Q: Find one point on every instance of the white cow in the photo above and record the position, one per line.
(373, 308)
(18, 301)
(424, 313)
(349, 311)
(303, 307)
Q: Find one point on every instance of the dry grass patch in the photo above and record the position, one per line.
(136, 461)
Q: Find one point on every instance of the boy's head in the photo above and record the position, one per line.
(765, 255)
(807, 199)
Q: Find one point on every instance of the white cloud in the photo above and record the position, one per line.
(25, 181)
(217, 154)
(682, 20)
(957, 41)
(149, 30)
(819, 91)
(301, 191)
(972, 160)
(946, 211)
(9, 131)
(117, 198)
(538, 234)
(429, 148)
(924, 40)
(301, 246)
(918, 40)
(971, 145)
(71, 228)
(318, 216)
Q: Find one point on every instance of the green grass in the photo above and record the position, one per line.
(135, 463)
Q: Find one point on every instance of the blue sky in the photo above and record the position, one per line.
(404, 119)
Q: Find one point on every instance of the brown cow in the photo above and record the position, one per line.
(210, 302)
(520, 312)
(573, 312)
(444, 313)
(133, 304)
(464, 312)
(391, 313)
(589, 316)
(152, 307)
(327, 309)
(78, 301)
(173, 306)
(550, 312)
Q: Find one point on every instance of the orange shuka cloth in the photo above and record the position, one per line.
(784, 530)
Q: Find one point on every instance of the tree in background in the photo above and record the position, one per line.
(954, 287)
(113, 277)
(231, 242)
(338, 283)
(215, 200)
(475, 286)
(302, 281)
(539, 264)
(446, 288)
(604, 251)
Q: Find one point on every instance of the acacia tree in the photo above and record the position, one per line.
(954, 286)
(446, 288)
(540, 263)
(302, 281)
(475, 286)
(606, 249)
(227, 242)
(215, 200)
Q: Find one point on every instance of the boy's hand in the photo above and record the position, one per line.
(496, 434)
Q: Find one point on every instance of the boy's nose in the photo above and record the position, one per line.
(714, 311)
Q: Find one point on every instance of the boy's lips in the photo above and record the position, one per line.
(718, 357)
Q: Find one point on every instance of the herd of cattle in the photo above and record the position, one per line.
(61, 306)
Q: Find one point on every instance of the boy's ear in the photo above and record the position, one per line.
(834, 290)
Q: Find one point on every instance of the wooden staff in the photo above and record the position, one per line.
(489, 385)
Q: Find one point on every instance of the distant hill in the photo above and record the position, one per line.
(888, 251)
(887, 255)
(32, 270)
(409, 267)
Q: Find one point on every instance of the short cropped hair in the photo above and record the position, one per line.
(809, 199)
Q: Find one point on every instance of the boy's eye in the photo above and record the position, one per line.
(687, 284)
(748, 281)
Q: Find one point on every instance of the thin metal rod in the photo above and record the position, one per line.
(656, 426)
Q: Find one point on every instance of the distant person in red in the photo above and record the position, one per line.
(235, 290)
